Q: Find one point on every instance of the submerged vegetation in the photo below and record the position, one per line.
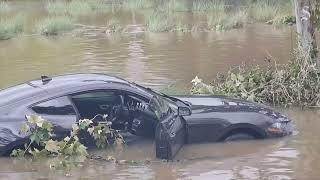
(42, 143)
(55, 25)
(295, 83)
(10, 27)
(220, 20)
(159, 22)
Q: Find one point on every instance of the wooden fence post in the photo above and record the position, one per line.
(305, 26)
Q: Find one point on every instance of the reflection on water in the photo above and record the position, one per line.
(153, 59)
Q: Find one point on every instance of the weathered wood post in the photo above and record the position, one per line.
(306, 26)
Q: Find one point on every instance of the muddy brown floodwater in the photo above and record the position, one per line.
(160, 60)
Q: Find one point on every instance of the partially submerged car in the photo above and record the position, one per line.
(171, 121)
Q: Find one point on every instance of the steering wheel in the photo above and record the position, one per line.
(119, 113)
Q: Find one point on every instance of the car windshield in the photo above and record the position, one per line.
(160, 106)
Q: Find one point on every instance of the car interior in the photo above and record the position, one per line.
(126, 111)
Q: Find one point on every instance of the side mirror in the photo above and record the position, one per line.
(184, 111)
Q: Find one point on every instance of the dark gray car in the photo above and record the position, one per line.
(171, 121)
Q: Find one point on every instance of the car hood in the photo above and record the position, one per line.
(207, 104)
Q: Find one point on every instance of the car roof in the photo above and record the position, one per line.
(46, 84)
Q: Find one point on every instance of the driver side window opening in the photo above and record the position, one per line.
(89, 104)
(127, 111)
(57, 106)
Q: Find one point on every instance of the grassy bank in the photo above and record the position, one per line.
(222, 16)
(159, 22)
(5, 7)
(295, 83)
(10, 27)
(165, 16)
(221, 21)
(55, 25)
(77, 7)
(271, 12)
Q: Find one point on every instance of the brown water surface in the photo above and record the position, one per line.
(160, 60)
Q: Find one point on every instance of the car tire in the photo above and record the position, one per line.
(239, 136)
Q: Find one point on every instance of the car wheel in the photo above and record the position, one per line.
(239, 136)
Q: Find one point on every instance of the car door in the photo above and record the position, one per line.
(170, 137)
(171, 134)
(58, 111)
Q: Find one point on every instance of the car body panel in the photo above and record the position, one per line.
(214, 116)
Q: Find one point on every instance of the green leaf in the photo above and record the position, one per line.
(66, 139)
(52, 146)
(17, 153)
(233, 77)
(24, 128)
(90, 130)
(82, 150)
(241, 78)
(46, 125)
(69, 150)
(39, 153)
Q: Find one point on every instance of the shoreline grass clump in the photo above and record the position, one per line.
(208, 5)
(221, 21)
(55, 25)
(159, 22)
(4, 7)
(139, 4)
(78, 7)
(114, 26)
(178, 5)
(272, 12)
(10, 27)
(296, 83)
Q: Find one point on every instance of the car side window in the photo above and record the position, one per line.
(57, 106)
(91, 103)
(108, 96)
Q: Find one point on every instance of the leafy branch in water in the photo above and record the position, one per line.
(295, 83)
(42, 142)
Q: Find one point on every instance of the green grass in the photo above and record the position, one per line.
(263, 12)
(139, 4)
(221, 21)
(159, 22)
(178, 5)
(181, 27)
(273, 12)
(296, 83)
(208, 5)
(78, 7)
(11, 27)
(114, 25)
(4, 7)
(55, 25)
